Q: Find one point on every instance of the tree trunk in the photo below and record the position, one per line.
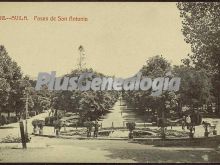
(16, 112)
(8, 114)
(180, 113)
(56, 114)
(211, 108)
(197, 106)
(217, 110)
(163, 125)
(218, 106)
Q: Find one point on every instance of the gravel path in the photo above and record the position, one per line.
(98, 151)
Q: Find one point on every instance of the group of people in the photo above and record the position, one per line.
(3, 120)
(7, 120)
(188, 122)
(96, 129)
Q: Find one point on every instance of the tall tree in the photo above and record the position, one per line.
(201, 22)
(11, 75)
(195, 88)
(156, 66)
(89, 104)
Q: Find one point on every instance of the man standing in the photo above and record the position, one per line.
(188, 121)
(183, 122)
(89, 125)
(96, 130)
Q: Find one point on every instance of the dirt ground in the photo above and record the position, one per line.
(43, 149)
(100, 151)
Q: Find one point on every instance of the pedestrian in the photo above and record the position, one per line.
(96, 129)
(188, 121)
(64, 125)
(1, 120)
(89, 127)
(89, 130)
(195, 120)
(158, 121)
(183, 122)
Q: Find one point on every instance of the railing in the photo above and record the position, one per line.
(115, 124)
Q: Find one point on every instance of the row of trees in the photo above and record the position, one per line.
(200, 75)
(201, 22)
(200, 72)
(195, 88)
(16, 88)
(89, 104)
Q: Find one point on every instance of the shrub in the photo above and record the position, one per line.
(49, 121)
(32, 113)
(34, 123)
(12, 119)
(12, 139)
(39, 123)
(88, 124)
(3, 120)
(130, 126)
(58, 124)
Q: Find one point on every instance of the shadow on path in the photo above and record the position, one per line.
(164, 156)
(8, 127)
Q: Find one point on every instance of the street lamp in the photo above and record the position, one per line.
(26, 114)
(26, 109)
(166, 105)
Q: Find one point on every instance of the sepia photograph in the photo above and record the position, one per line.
(109, 82)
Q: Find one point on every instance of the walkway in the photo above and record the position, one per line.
(119, 115)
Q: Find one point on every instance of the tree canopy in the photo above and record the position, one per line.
(200, 26)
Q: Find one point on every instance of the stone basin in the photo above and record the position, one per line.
(124, 133)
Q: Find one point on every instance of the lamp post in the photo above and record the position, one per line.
(24, 133)
(26, 114)
(26, 110)
(165, 106)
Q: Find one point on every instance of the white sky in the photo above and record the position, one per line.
(118, 38)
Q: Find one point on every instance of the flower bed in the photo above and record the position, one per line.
(81, 132)
(138, 133)
(12, 139)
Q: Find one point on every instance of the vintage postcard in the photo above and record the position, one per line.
(109, 82)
